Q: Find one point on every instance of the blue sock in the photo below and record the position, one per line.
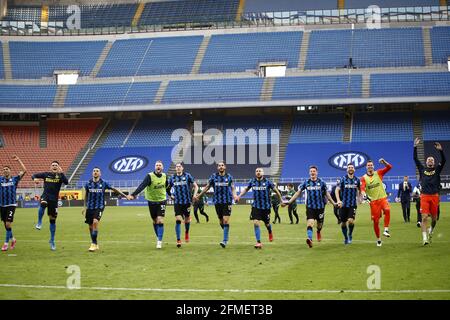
(257, 233)
(187, 226)
(269, 228)
(350, 226)
(226, 229)
(178, 229)
(52, 230)
(160, 231)
(309, 233)
(344, 232)
(155, 228)
(94, 236)
(8, 235)
(40, 214)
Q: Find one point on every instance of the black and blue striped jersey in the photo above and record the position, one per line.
(95, 193)
(261, 192)
(315, 193)
(8, 189)
(222, 188)
(182, 186)
(349, 188)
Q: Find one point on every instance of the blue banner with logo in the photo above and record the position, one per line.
(29, 204)
(332, 158)
(127, 163)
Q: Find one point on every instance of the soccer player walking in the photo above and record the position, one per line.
(275, 204)
(316, 190)
(349, 186)
(94, 204)
(224, 193)
(262, 188)
(200, 206)
(292, 208)
(8, 202)
(372, 188)
(182, 183)
(430, 180)
(53, 181)
(156, 187)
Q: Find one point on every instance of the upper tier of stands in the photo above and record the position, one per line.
(139, 57)
(390, 47)
(34, 60)
(122, 15)
(368, 48)
(190, 11)
(240, 52)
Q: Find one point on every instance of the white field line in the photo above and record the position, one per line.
(278, 240)
(6, 285)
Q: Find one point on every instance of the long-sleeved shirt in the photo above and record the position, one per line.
(430, 178)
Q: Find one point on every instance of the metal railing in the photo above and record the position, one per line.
(248, 19)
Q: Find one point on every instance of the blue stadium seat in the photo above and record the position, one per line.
(154, 133)
(410, 84)
(2, 73)
(317, 87)
(34, 60)
(389, 47)
(241, 52)
(362, 4)
(185, 91)
(319, 128)
(440, 41)
(436, 126)
(25, 13)
(118, 134)
(140, 57)
(382, 127)
(188, 11)
(97, 15)
(27, 96)
(245, 130)
(112, 94)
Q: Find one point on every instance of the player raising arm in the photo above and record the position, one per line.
(8, 202)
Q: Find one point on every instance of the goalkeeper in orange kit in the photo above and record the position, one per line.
(372, 187)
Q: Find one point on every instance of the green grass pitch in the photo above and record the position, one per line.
(128, 266)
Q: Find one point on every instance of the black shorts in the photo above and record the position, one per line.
(347, 213)
(8, 213)
(199, 205)
(260, 214)
(52, 207)
(92, 214)
(157, 209)
(316, 214)
(183, 210)
(223, 209)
